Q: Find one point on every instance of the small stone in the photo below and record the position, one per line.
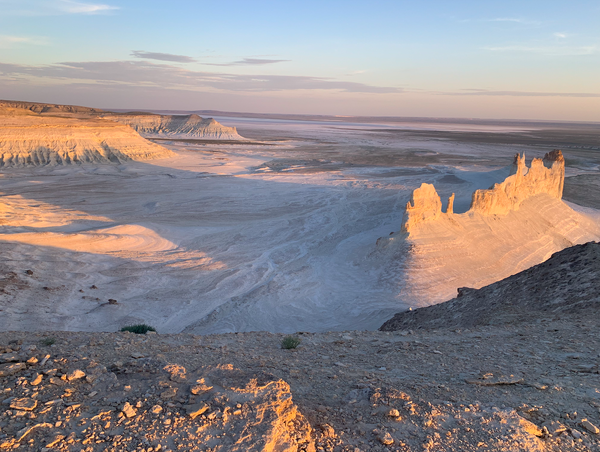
(128, 410)
(196, 409)
(32, 360)
(29, 272)
(586, 425)
(327, 430)
(75, 375)
(24, 404)
(112, 301)
(36, 380)
(177, 372)
(385, 439)
(394, 413)
(137, 355)
(9, 357)
(55, 440)
(200, 387)
(93, 286)
(11, 369)
(56, 381)
(156, 409)
(168, 394)
(555, 427)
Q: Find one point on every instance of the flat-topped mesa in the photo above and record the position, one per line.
(37, 107)
(546, 175)
(190, 126)
(35, 140)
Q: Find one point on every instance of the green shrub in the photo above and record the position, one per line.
(48, 341)
(289, 342)
(141, 328)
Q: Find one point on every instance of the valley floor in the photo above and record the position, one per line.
(279, 236)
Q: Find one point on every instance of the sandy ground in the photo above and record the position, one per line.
(277, 236)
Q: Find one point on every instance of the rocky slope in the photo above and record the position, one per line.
(564, 284)
(510, 227)
(35, 140)
(182, 126)
(526, 387)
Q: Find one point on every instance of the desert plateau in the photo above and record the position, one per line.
(440, 278)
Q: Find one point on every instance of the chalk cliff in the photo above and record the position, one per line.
(546, 175)
(35, 140)
(182, 126)
(512, 226)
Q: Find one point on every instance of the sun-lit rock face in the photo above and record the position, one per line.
(190, 126)
(34, 140)
(546, 175)
(512, 226)
(424, 205)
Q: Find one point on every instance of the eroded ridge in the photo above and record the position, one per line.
(545, 175)
(190, 126)
(30, 139)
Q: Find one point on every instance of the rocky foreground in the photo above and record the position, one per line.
(529, 387)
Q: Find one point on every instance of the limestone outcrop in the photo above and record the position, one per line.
(188, 126)
(35, 140)
(546, 175)
(512, 226)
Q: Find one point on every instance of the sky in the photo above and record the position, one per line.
(525, 59)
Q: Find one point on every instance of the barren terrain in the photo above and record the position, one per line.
(275, 234)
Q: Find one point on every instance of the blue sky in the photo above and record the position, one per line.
(526, 59)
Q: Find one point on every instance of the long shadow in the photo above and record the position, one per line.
(212, 221)
(170, 288)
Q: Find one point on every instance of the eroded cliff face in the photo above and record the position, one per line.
(510, 227)
(34, 140)
(190, 126)
(546, 175)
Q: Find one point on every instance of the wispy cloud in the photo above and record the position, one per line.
(559, 50)
(53, 7)
(560, 35)
(516, 20)
(144, 73)
(485, 92)
(12, 41)
(356, 72)
(248, 62)
(162, 56)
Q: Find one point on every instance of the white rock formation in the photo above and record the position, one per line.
(510, 227)
(33, 140)
(188, 126)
